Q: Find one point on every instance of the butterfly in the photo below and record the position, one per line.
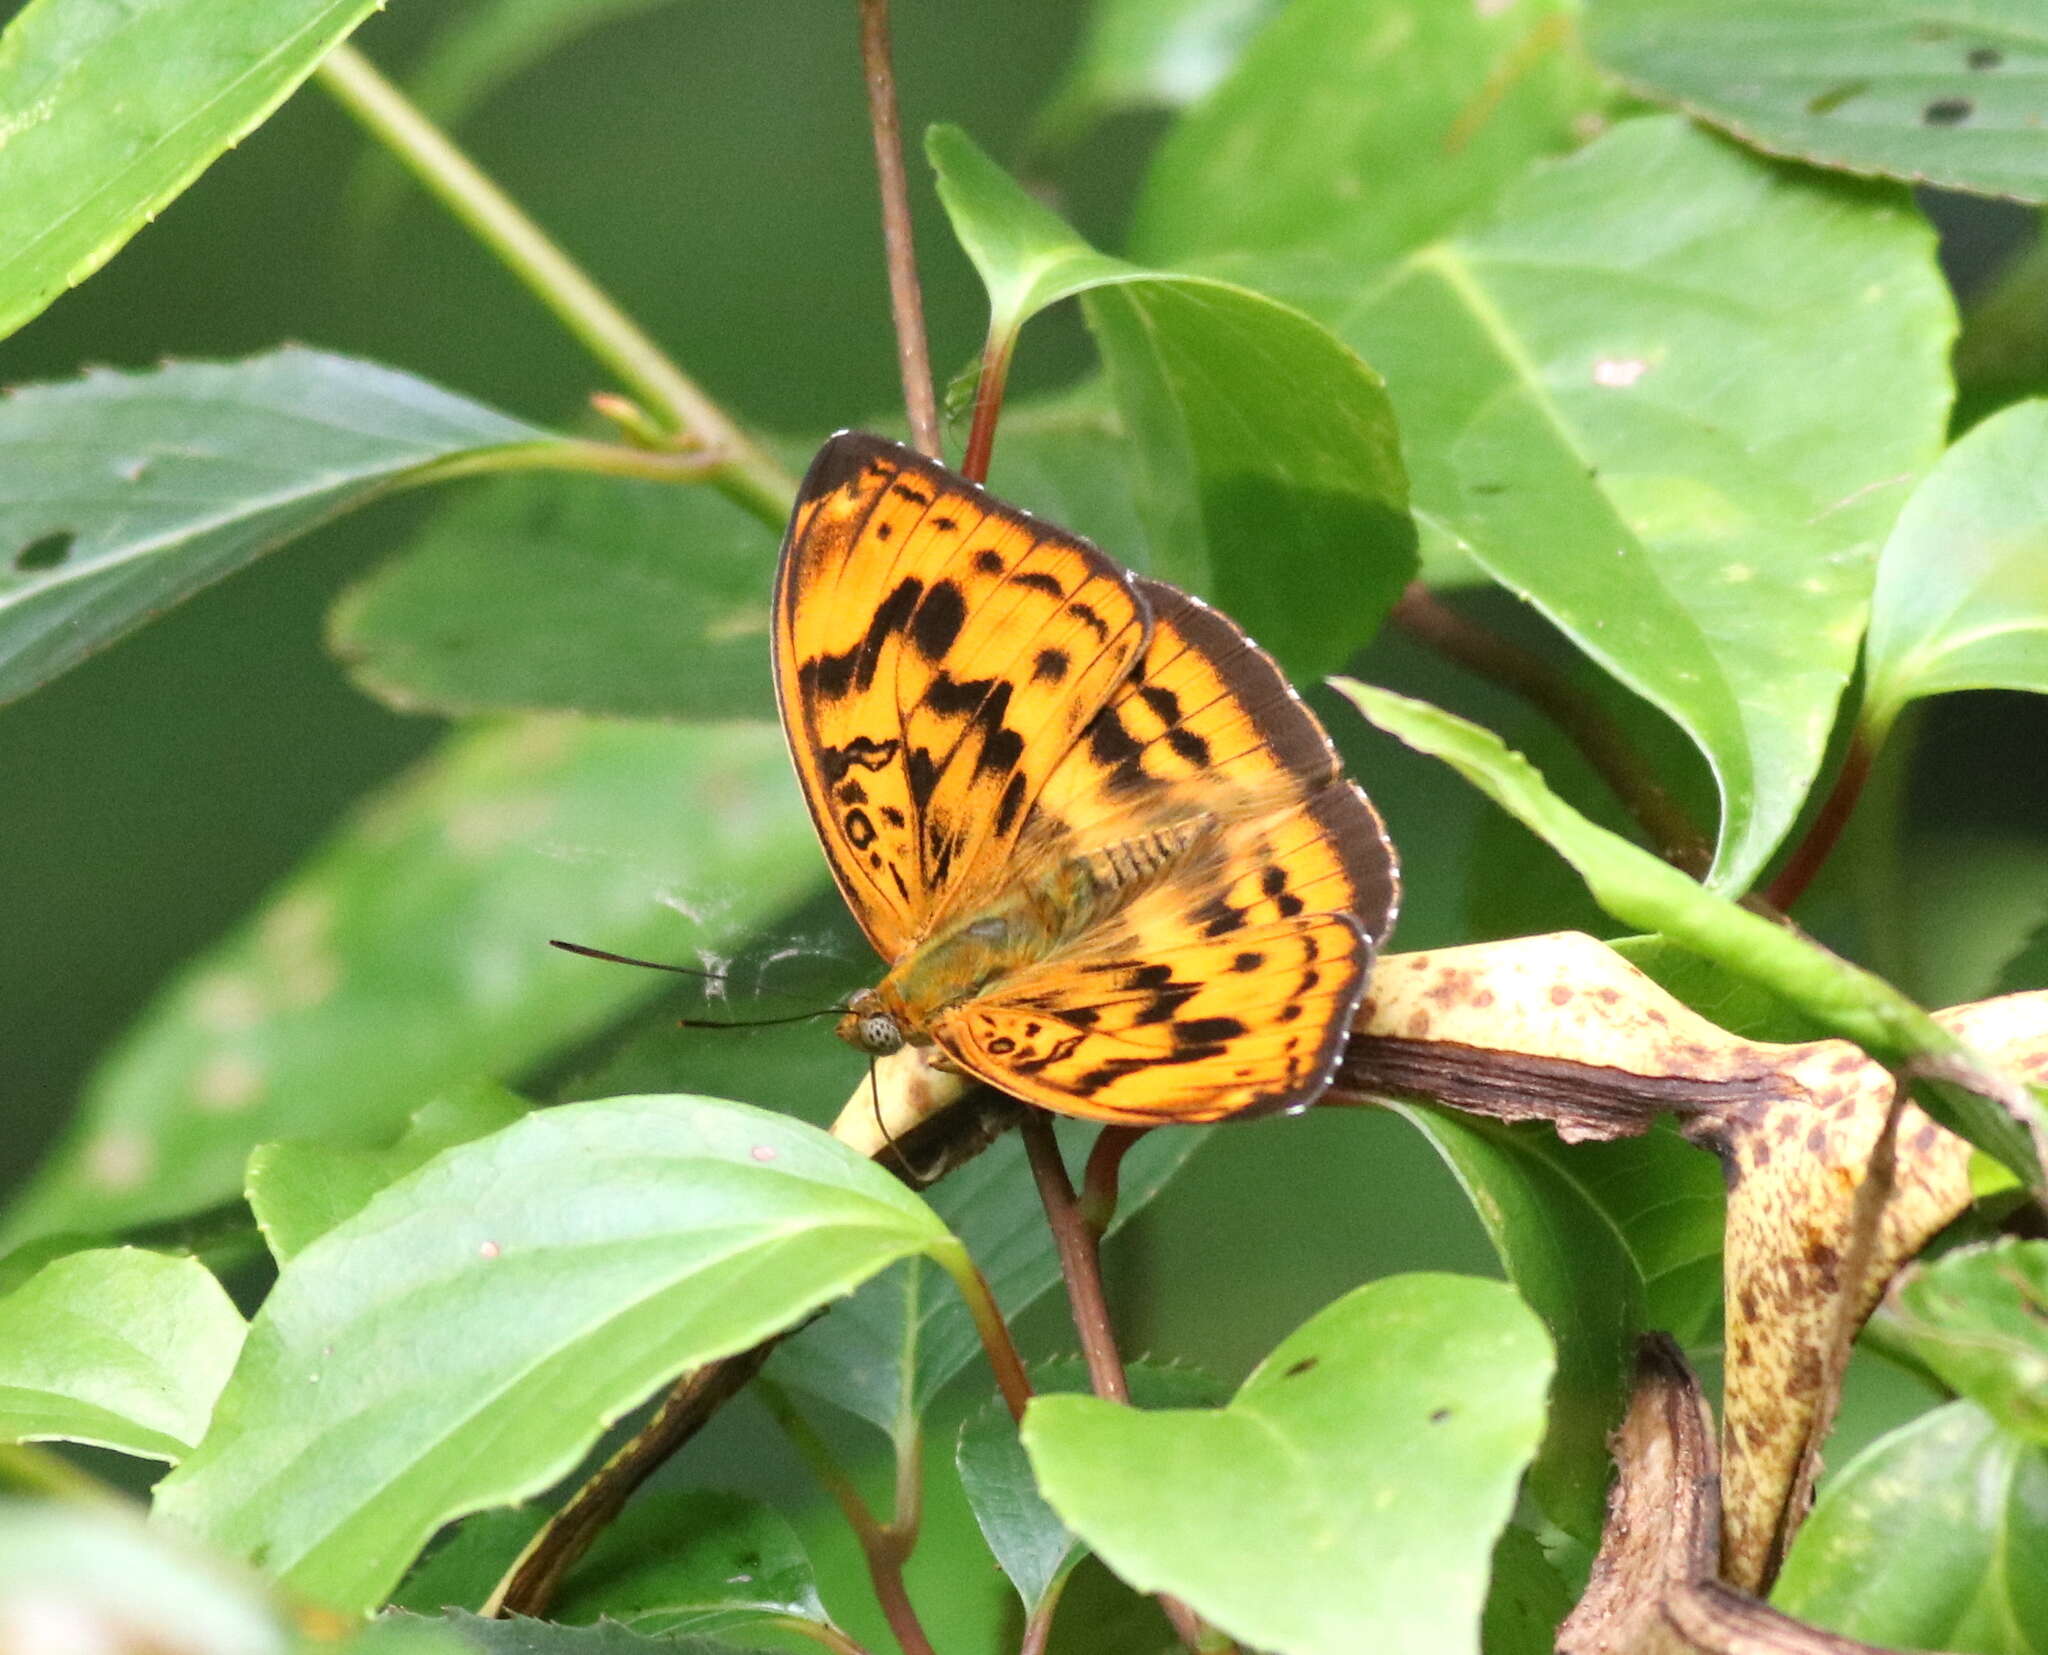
(1103, 847)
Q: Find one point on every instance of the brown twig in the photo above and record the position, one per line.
(1099, 1181)
(1430, 621)
(988, 404)
(906, 302)
(1080, 1262)
(886, 1546)
(996, 1342)
(530, 1585)
(1826, 829)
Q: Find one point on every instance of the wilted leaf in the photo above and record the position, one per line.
(1640, 890)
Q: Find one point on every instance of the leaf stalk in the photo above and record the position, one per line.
(741, 469)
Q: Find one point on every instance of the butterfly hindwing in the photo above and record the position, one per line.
(1255, 884)
(936, 654)
(1195, 1029)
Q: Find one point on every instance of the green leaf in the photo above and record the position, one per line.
(1354, 133)
(585, 594)
(1962, 584)
(1932, 91)
(79, 1578)
(111, 110)
(1031, 1544)
(519, 1636)
(1267, 465)
(124, 493)
(2028, 968)
(1639, 890)
(1290, 1519)
(1147, 54)
(462, 1341)
(1625, 401)
(409, 955)
(1979, 1319)
(694, 1561)
(1738, 1004)
(1527, 1600)
(119, 1348)
(1931, 1538)
(301, 1189)
(1568, 1259)
(888, 1351)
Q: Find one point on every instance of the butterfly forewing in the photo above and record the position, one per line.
(937, 654)
(1208, 724)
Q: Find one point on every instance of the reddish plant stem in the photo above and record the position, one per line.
(988, 405)
(530, 1586)
(906, 300)
(1099, 1181)
(886, 1546)
(1825, 831)
(1431, 622)
(1080, 1262)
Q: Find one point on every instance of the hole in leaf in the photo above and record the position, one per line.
(1824, 103)
(1947, 112)
(45, 552)
(1302, 1366)
(1984, 57)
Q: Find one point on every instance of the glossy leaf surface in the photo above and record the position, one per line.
(461, 1342)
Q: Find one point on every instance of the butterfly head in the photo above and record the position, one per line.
(869, 1026)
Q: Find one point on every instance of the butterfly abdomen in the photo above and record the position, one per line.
(1130, 862)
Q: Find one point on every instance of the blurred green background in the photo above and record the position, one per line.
(711, 165)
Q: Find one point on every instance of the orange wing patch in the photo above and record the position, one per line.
(936, 654)
(1105, 848)
(1166, 1031)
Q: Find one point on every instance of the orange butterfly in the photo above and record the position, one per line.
(1103, 846)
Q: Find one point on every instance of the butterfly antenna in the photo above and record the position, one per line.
(758, 1022)
(687, 971)
(627, 959)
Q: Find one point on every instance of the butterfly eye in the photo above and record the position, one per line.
(880, 1035)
